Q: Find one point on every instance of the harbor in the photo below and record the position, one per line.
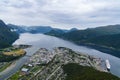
(108, 66)
(49, 42)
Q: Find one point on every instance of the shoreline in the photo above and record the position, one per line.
(62, 55)
(106, 50)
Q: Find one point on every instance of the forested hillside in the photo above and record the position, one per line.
(105, 37)
(7, 37)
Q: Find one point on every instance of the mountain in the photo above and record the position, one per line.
(82, 35)
(39, 29)
(34, 29)
(7, 36)
(73, 29)
(107, 37)
(112, 41)
(30, 29)
(77, 72)
(16, 28)
(55, 32)
(59, 32)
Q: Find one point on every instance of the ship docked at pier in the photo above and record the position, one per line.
(108, 64)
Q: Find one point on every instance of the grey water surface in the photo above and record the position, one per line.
(45, 41)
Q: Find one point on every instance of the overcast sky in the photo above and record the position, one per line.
(61, 13)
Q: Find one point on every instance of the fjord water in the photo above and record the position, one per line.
(45, 41)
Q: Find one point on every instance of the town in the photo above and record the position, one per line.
(47, 64)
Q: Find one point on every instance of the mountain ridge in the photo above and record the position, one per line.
(7, 37)
(105, 39)
(34, 29)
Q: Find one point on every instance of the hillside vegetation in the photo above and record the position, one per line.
(7, 37)
(12, 54)
(107, 37)
(17, 52)
(77, 72)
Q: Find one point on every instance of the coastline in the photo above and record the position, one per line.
(52, 40)
(63, 55)
(106, 50)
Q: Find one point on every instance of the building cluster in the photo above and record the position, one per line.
(56, 59)
(63, 56)
(42, 56)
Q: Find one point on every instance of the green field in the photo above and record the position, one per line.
(32, 70)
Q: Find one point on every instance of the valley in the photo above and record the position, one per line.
(30, 45)
(59, 40)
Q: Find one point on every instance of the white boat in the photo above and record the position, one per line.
(108, 64)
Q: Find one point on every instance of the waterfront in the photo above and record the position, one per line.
(44, 41)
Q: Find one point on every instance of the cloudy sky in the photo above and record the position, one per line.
(61, 13)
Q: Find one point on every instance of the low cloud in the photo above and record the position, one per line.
(61, 13)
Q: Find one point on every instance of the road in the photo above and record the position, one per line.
(53, 73)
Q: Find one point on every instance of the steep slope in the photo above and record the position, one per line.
(82, 35)
(112, 41)
(101, 38)
(77, 72)
(7, 37)
(18, 29)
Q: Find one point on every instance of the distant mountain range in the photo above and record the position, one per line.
(102, 38)
(36, 29)
(7, 37)
(9, 33)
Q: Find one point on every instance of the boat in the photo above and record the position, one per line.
(108, 64)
